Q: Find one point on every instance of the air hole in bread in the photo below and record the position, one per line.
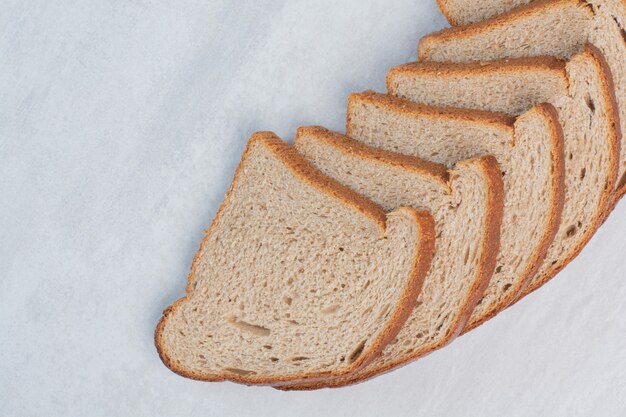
(238, 371)
(506, 287)
(590, 104)
(290, 281)
(571, 231)
(499, 269)
(357, 351)
(571, 156)
(299, 358)
(367, 284)
(583, 172)
(268, 347)
(248, 327)
(274, 359)
(591, 8)
(341, 249)
(343, 358)
(330, 309)
(295, 323)
(383, 311)
(287, 300)
(621, 29)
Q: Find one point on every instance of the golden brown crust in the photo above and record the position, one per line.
(438, 69)
(445, 11)
(557, 197)
(348, 146)
(534, 8)
(608, 195)
(415, 110)
(296, 163)
(489, 249)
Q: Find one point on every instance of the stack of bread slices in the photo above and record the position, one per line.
(485, 168)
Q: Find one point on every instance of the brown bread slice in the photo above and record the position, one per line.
(467, 206)
(466, 12)
(529, 150)
(580, 91)
(298, 277)
(544, 27)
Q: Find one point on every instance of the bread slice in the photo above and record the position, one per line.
(466, 12)
(530, 153)
(580, 91)
(298, 277)
(467, 206)
(557, 27)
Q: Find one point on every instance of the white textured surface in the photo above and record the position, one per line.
(121, 123)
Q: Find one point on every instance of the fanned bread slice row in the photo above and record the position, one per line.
(467, 206)
(580, 91)
(556, 27)
(298, 277)
(529, 150)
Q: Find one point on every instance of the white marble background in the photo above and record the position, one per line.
(121, 123)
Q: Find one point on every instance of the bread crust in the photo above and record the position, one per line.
(434, 68)
(490, 245)
(445, 11)
(534, 8)
(557, 192)
(424, 250)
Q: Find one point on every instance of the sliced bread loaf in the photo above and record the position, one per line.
(467, 206)
(530, 153)
(581, 93)
(557, 27)
(298, 277)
